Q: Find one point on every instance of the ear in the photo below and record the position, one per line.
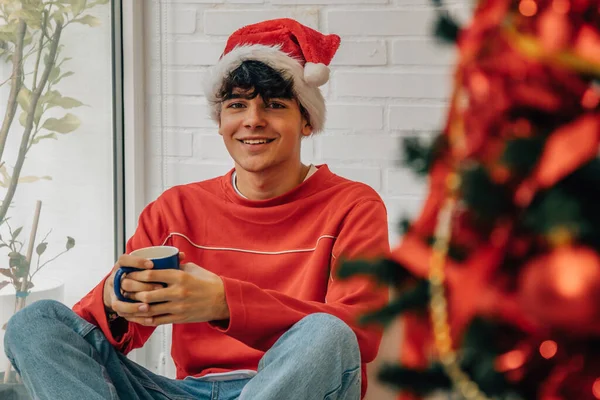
(306, 129)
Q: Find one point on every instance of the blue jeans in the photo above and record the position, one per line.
(61, 356)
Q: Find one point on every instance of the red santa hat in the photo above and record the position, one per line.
(295, 50)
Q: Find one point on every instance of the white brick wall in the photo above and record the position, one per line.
(389, 79)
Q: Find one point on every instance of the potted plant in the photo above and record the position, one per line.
(30, 43)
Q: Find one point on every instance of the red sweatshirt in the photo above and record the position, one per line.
(277, 258)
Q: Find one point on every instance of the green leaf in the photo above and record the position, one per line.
(66, 124)
(41, 248)
(65, 102)
(54, 73)
(49, 96)
(33, 17)
(89, 20)
(7, 37)
(58, 16)
(24, 98)
(31, 179)
(65, 75)
(39, 111)
(16, 233)
(23, 118)
(77, 6)
(18, 263)
(8, 28)
(6, 176)
(64, 60)
(37, 139)
(70, 242)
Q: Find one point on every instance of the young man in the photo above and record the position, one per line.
(257, 309)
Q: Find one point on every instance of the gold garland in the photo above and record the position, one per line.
(531, 48)
(438, 305)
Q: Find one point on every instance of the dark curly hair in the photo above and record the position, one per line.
(258, 79)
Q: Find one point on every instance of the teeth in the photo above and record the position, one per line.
(259, 141)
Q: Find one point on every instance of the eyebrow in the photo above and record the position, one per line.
(238, 96)
(245, 96)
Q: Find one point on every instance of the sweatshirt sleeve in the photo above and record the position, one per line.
(364, 234)
(150, 232)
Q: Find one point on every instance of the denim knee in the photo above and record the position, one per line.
(329, 333)
(25, 324)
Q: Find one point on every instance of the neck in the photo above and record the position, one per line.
(268, 184)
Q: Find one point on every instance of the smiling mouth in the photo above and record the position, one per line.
(256, 141)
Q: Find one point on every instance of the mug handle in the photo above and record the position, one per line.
(117, 285)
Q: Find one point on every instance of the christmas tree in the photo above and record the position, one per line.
(497, 281)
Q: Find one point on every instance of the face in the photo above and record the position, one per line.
(262, 136)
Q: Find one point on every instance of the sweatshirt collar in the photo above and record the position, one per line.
(309, 186)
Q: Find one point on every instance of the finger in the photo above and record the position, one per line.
(181, 256)
(131, 285)
(139, 320)
(156, 296)
(168, 276)
(127, 260)
(126, 308)
(161, 320)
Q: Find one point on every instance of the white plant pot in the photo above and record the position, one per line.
(44, 288)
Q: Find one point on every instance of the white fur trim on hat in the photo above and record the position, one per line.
(308, 94)
(316, 74)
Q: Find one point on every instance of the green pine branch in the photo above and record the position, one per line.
(412, 299)
(420, 382)
(419, 154)
(521, 155)
(384, 271)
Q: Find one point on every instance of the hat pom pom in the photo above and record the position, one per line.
(316, 74)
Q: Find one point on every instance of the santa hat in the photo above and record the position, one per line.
(295, 50)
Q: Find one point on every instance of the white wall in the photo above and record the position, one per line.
(389, 80)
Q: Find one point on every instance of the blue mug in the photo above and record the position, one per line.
(163, 257)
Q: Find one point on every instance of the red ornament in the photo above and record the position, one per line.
(561, 290)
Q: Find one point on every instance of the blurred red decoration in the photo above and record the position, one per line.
(548, 349)
(561, 290)
(528, 8)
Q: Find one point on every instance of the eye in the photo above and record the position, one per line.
(235, 105)
(276, 105)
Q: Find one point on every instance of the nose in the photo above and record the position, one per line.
(254, 116)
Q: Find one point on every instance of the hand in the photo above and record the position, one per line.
(129, 287)
(193, 294)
